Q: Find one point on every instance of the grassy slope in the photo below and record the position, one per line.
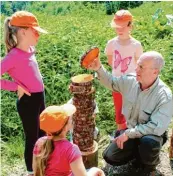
(58, 57)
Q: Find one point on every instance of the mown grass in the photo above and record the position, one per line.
(58, 53)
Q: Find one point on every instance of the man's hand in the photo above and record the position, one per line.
(95, 65)
(21, 91)
(120, 140)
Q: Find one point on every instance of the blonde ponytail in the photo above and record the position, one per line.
(41, 159)
(10, 33)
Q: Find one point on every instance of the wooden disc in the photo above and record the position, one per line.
(82, 79)
(89, 57)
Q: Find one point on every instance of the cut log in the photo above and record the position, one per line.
(80, 89)
(82, 80)
(88, 111)
(90, 159)
(90, 94)
(85, 105)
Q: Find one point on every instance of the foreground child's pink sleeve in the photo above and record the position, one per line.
(74, 153)
(38, 145)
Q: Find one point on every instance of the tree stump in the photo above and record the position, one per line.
(171, 146)
(90, 159)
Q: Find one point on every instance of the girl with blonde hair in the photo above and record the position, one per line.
(21, 35)
(54, 154)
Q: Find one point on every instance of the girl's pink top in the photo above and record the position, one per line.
(23, 68)
(59, 161)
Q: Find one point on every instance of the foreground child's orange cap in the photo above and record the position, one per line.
(53, 118)
(121, 16)
(26, 19)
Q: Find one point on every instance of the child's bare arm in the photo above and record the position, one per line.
(78, 167)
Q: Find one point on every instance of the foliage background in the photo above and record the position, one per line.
(73, 28)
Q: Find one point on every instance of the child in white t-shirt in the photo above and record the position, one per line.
(122, 53)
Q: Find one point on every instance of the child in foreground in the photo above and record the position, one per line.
(54, 154)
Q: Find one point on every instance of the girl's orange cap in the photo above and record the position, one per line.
(121, 16)
(26, 19)
(53, 118)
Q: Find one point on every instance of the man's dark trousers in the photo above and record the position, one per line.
(145, 150)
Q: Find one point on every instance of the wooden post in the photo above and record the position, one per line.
(171, 146)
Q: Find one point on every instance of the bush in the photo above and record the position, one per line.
(113, 6)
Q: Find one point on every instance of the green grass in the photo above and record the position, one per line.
(12, 155)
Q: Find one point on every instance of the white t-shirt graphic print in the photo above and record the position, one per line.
(123, 61)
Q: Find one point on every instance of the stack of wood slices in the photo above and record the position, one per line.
(84, 121)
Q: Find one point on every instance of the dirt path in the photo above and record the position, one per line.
(166, 166)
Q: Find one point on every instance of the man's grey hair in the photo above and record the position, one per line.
(156, 57)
